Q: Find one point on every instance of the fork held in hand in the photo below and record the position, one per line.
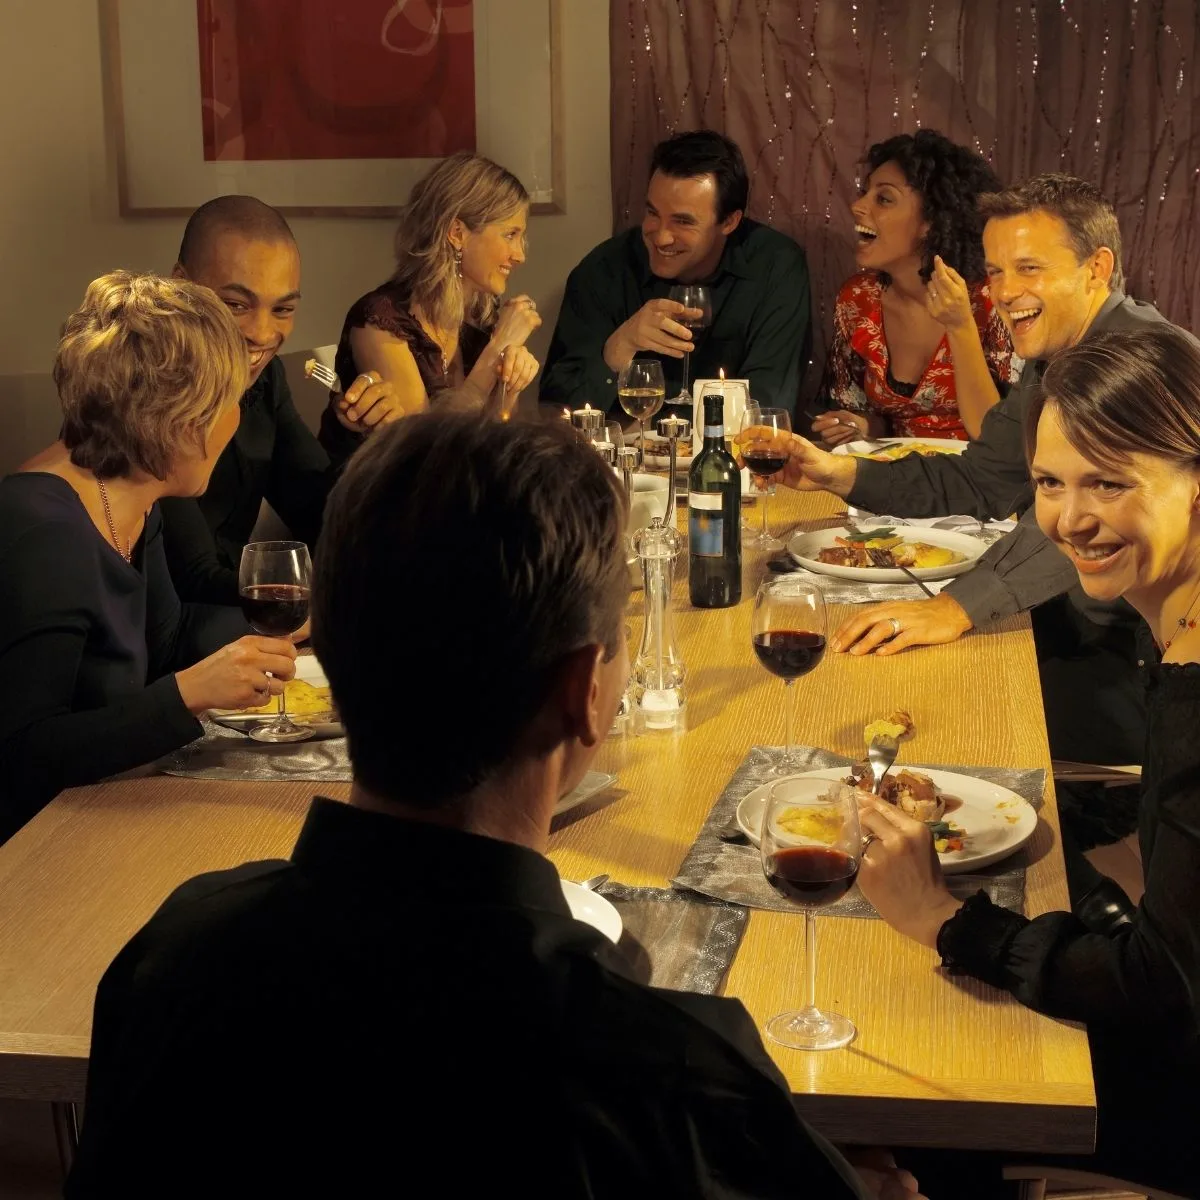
(881, 560)
(322, 374)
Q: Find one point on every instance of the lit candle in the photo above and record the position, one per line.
(588, 420)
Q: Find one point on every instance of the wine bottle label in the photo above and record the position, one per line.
(714, 431)
(706, 525)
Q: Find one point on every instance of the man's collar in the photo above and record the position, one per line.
(420, 860)
(733, 257)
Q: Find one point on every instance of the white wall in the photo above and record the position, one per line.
(59, 226)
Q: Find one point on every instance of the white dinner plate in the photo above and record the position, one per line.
(324, 725)
(589, 785)
(997, 822)
(804, 548)
(944, 445)
(593, 910)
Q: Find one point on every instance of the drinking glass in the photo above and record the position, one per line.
(764, 451)
(275, 582)
(811, 850)
(641, 390)
(691, 295)
(787, 630)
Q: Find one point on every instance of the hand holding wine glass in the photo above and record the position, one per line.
(787, 630)
(693, 296)
(275, 582)
(641, 390)
(811, 849)
(762, 446)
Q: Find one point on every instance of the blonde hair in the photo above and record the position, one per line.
(477, 192)
(144, 366)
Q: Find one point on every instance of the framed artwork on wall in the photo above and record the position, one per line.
(333, 109)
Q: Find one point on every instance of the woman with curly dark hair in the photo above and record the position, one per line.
(917, 350)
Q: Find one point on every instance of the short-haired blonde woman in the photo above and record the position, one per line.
(437, 322)
(101, 667)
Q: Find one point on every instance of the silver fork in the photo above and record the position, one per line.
(880, 560)
(322, 374)
(881, 753)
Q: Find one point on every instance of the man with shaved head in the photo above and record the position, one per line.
(244, 251)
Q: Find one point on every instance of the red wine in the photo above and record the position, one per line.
(764, 463)
(811, 875)
(275, 609)
(789, 653)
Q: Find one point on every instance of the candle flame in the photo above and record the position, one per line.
(566, 414)
(587, 407)
(721, 374)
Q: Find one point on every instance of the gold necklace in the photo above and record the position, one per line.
(127, 553)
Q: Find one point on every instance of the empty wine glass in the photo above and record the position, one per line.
(787, 630)
(691, 295)
(764, 451)
(641, 390)
(811, 849)
(275, 582)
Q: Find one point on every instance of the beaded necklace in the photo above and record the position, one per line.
(1186, 622)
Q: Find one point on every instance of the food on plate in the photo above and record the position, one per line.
(897, 725)
(659, 447)
(894, 452)
(302, 698)
(853, 551)
(919, 797)
(815, 823)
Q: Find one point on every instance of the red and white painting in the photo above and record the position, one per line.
(336, 79)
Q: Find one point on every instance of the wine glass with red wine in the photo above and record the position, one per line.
(811, 849)
(690, 295)
(762, 444)
(787, 630)
(275, 582)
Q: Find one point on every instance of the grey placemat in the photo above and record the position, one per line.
(732, 871)
(688, 941)
(226, 754)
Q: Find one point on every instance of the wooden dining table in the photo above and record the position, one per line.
(938, 1061)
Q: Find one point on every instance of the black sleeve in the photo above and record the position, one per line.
(44, 629)
(575, 372)
(195, 564)
(1148, 971)
(301, 475)
(779, 336)
(988, 480)
(178, 635)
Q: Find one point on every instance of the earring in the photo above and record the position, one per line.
(458, 263)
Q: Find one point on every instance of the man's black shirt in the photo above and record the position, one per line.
(411, 1005)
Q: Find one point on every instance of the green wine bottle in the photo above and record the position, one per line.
(714, 516)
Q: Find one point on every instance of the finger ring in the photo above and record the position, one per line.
(868, 838)
(895, 626)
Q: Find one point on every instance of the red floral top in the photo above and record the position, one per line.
(857, 376)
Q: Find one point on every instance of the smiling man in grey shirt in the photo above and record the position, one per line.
(1053, 251)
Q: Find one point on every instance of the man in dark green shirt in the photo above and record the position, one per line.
(694, 231)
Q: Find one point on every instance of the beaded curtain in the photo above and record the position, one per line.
(1104, 89)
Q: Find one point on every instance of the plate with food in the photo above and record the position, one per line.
(309, 702)
(891, 449)
(974, 823)
(846, 552)
(658, 452)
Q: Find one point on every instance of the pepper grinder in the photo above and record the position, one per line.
(675, 430)
(658, 672)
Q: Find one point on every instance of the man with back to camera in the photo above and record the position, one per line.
(694, 230)
(1053, 256)
(407, 998)
(244, 251)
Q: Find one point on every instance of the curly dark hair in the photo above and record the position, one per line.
(949, 179)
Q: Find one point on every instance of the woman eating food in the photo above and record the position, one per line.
(101, 668)
(1115, 450)
(917, 350)
(437, 322)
